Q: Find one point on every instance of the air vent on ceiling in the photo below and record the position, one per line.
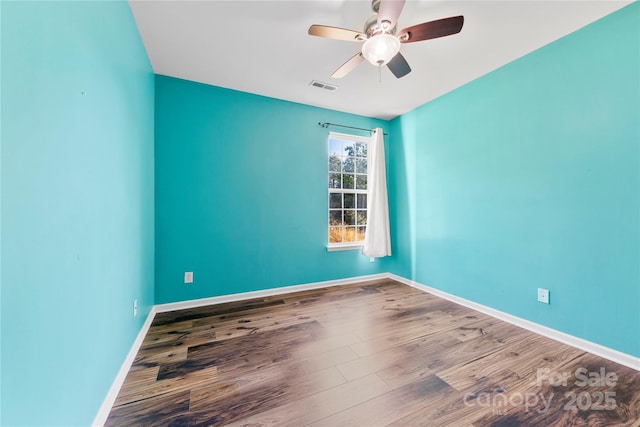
(322, 85)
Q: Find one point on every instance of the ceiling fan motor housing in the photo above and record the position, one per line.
(371, 27)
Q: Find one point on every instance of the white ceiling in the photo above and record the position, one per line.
(262, 46)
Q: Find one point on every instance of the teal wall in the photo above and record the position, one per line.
(529, 177)
(77, 205)
(402, 195)
(241, 193)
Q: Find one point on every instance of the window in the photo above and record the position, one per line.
(347, 190)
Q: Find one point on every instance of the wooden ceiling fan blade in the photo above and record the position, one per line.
(348, 66)
(399, 66)
(432, 29)
(336, 33)
(389, 11)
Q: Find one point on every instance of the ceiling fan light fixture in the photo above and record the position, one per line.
(381, 48)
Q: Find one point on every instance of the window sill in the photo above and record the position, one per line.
(347, 247)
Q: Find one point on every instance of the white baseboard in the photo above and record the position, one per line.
(107, 404)
(582, 344)
(161, 308)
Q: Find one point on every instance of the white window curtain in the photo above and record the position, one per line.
(377, 238)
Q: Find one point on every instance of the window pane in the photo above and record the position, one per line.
(335, 200)
(362, 201)
(334, 180)
(349, 165)
(334, 163)
(361, 182)
(361, 231)
(350, 234)
(348, 181)
(361, 166)
(362, 218)
(350, 217)
(335, 217)
(349, 149)
(335, 147)
(335, 234)
(349, 200)
(361, 149)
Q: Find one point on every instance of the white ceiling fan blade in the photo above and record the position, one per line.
(348, 66)
(336, 33)
(389, 12)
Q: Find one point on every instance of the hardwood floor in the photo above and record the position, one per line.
(370, 354)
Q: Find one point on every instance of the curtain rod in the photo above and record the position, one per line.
(327, 124)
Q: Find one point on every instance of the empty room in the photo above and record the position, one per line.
(324, 213)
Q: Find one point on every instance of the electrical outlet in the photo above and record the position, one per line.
(188, 277)
(543, 295)
(371, 259)
(135, 307)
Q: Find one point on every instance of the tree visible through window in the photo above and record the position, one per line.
(347, 189)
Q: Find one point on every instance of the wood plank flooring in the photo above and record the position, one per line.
(370, 354)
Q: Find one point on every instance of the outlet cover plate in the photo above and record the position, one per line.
(543, 296)
(188, 277)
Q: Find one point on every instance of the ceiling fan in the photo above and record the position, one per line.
(381, 41)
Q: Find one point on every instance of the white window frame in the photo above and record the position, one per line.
(343, 246)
